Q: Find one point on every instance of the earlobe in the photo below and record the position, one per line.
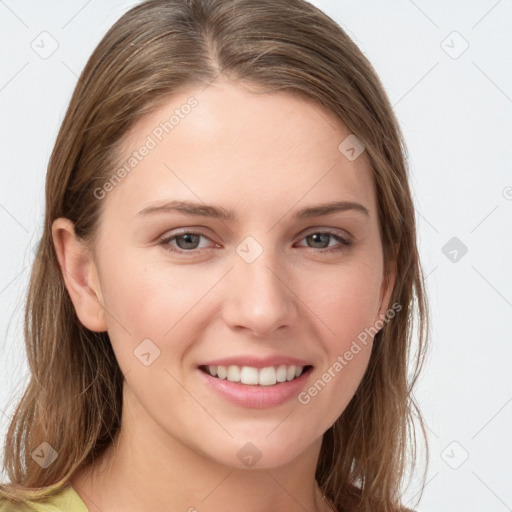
(80, 275)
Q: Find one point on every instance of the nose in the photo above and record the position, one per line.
(260, 298)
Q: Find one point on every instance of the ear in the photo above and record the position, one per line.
(80, 275)
(387, 286)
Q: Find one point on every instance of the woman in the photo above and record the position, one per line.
(220, 313)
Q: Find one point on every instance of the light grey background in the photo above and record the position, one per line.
(455, 107)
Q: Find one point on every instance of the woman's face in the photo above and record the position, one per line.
(264, 287)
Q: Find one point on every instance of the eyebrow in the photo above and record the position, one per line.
(218, 212)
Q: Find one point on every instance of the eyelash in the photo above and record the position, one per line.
(344, 243)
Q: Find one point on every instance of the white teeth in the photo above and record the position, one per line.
(222, 372)
(267, 376)
(281, 373)
(249, 375)
(290, 372)
(233, 373)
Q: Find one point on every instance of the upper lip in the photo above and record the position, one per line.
(257, 362)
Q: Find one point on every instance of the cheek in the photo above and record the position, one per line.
(347, 302)
(140, 306)
(160, 302)
(346, 299)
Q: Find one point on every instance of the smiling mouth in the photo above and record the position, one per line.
(249, 375)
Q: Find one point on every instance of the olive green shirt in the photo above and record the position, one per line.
(65, 500)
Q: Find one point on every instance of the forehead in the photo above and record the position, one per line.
(245, 148)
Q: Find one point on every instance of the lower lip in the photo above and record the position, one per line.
(255, 396)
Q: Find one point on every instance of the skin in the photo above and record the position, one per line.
(263, 155)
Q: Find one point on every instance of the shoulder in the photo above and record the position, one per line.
(65, 500)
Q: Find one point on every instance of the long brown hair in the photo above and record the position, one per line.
(74, 398)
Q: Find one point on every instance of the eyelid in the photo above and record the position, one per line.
(343, 241)
(324, 229)
(166, 238)
(311, 230)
